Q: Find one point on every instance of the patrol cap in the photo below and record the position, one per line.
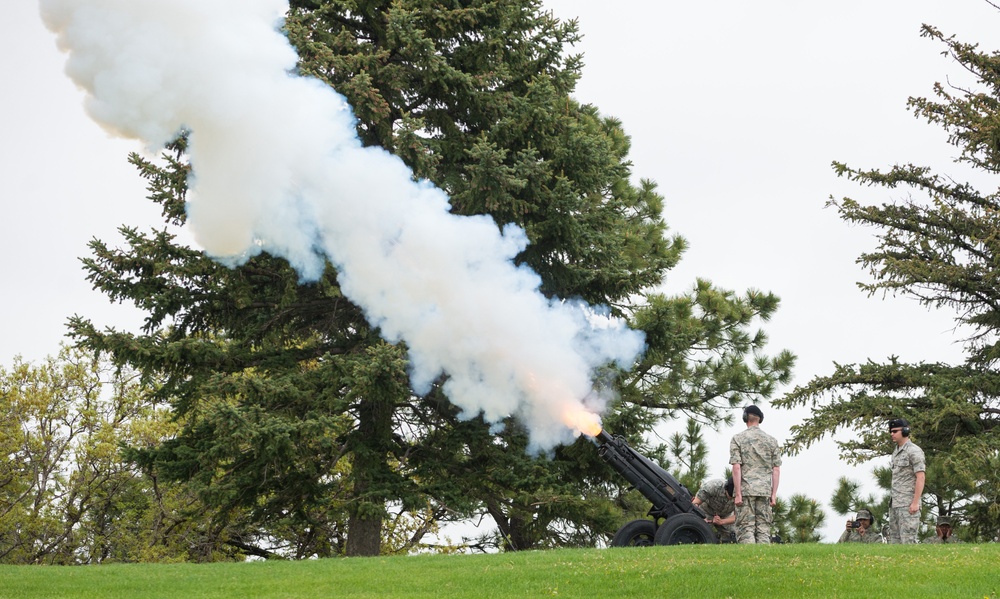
(944, 521)
(865, 515)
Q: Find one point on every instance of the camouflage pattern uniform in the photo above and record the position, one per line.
(854, 535)
(907, 460)
(715, 502)
(758, 454)
(936, 539)
(943, 521)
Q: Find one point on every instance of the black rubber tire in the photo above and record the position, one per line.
(685, 529)
(637, 533)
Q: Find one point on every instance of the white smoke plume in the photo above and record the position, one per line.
(277, 167)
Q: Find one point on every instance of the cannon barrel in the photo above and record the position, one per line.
(668, 496)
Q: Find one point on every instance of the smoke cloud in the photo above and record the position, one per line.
(277, 167)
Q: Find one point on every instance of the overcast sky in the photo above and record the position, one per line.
(735, 109)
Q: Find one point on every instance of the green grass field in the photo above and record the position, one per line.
(800, 571)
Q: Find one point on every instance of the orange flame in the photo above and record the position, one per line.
(574, 415)
(586, 422)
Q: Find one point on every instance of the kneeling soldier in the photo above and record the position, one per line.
(716, 498)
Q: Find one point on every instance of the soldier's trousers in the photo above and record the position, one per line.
(903, 525)
(754, 520)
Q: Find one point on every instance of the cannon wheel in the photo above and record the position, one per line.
(637, 533)
(684, 529)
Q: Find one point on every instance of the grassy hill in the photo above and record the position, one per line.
(800, 571)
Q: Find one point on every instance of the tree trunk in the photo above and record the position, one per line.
(364, 536)
(519, 535)
(514, 530)
(371, 451)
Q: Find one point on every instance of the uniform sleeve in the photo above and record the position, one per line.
(917, 461)
(735, 456)
(776, 458)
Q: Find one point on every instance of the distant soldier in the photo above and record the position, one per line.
(860, 530)
(944, 532)
(716, 498)
(756, 459)
(908, 468)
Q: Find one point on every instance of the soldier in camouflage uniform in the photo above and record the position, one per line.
(716, 498)
(756, 460)
(943, 532)
(908, 468)
(861, 529)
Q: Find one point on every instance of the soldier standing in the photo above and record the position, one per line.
(716, 498)
(907, 484)
(756, 460)
(860, 530)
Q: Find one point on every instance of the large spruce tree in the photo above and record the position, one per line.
(941, 247)
(300, 418)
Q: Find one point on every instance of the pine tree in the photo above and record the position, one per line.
(690, 454)
(847, 500)
(297, 414)
(805, 516)
(797, 519)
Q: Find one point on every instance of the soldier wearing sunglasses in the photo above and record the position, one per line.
(908, 466)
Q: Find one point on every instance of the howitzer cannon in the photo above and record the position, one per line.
(675, 519)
